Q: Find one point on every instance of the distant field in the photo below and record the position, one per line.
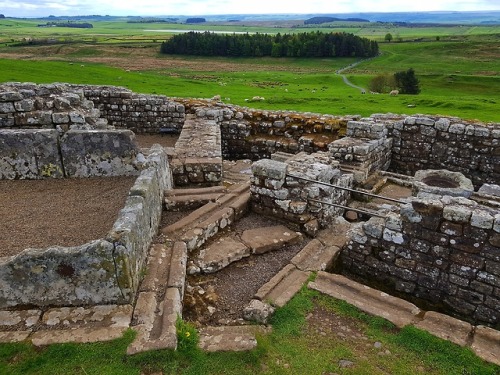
(459, 74)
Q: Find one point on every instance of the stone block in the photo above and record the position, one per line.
(258, 311)
(446, 327)
(486, 344)
(263, 240)
(99, 153)
(29, 154)
(269, 168)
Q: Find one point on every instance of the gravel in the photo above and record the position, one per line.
(63, 212)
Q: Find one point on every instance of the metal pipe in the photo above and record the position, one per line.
(348, 208)
(347, 189)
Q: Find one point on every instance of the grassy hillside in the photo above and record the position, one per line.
(459, 74)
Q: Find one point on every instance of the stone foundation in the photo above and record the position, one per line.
(276, 190)
(444, 251)
(103, 271)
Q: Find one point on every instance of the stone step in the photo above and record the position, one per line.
(205, 222)
(184, 199)
(230, 338)
(369, 300)
(236, 198)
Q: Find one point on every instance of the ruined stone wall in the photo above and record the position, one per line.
(47, 153)
(365, 149)
(51, 106)
(274, 192)
(446, 143)
(444, 251)
(104, 271)
(137, 112)
(256, 134)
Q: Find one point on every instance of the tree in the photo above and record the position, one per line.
(382, 83)
(388, 37)
(407, 82)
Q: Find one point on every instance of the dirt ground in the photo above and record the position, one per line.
(147, 140)
(142, 59)
(219, 298)
(64, 212)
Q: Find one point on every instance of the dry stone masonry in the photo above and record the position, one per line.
(103, 271)
(288, 190)
(441, 247)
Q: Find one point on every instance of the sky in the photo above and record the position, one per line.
(42, 8)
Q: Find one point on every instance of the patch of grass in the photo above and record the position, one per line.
(293, 347)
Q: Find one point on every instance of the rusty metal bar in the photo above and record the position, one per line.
(349, 208)
(347, 189)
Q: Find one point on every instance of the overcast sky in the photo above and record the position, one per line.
(38, 8)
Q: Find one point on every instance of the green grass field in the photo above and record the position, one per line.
(459, 74)
(294, 347)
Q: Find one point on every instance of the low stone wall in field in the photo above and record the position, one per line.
(104, 271)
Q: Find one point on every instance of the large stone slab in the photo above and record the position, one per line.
(446, 327)
(94, 316)
(30, 154)
(14, 336)
(283, 286)
(61, 276)
(77, 335)
(316, 257)
(220, 254)
(89, 153)
(369, 300)
(486, 344)
(263, 240)
(229, 338)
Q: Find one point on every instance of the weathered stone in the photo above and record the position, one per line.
(266, 239)
(486, 344)
(397, 311)
(99, 153)
(258, 311)
(446, 327)
(220, 254)
(229, 338)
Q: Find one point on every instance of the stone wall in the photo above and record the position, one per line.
(137, 112)
(443, 251)
(46, 153)
(365, 149)
(446, 143)
(104, 271)
(274, 192)
(256, 134)
(197, 157)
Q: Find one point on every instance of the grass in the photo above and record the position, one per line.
(292, 348)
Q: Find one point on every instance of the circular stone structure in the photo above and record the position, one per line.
(442, 182)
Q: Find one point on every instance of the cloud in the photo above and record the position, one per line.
(33, 8)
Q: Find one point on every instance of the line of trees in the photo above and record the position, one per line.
(316, 44)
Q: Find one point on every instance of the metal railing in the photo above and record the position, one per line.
(365, 212)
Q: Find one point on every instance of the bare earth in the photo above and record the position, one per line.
(67, 212)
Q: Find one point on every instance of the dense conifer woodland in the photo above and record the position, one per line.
(315, 44)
